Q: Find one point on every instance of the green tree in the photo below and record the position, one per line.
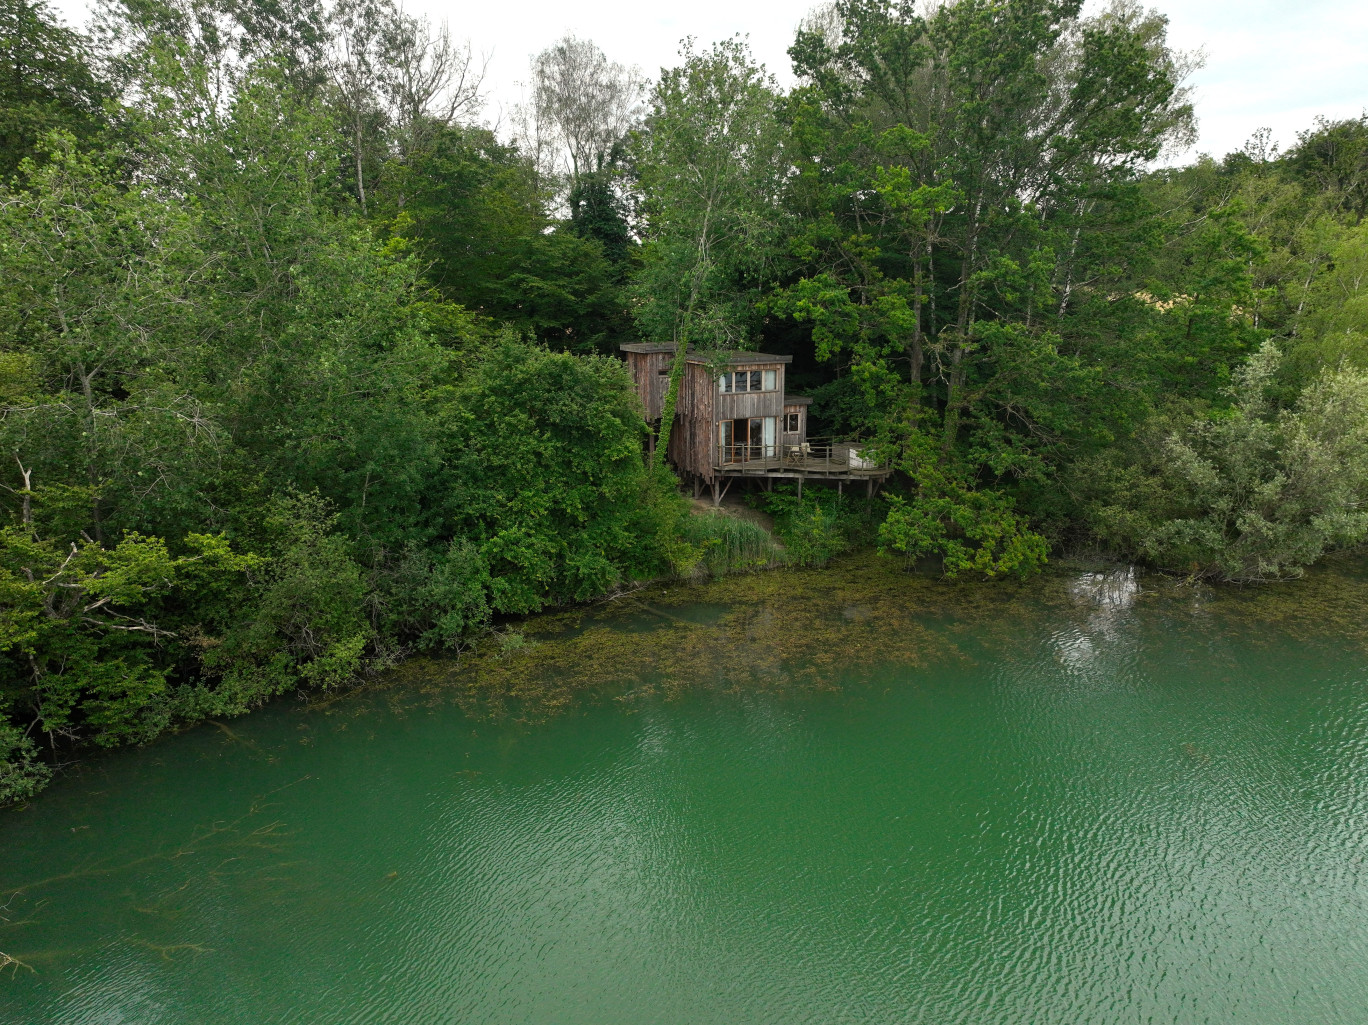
(48, 83)
(549, 482)
(1245, 493)
(709, 165)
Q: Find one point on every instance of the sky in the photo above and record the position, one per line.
(1268, 64)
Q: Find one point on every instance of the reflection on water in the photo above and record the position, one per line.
(1111, 590)
(847, 796)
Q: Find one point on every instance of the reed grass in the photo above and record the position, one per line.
(728, 544)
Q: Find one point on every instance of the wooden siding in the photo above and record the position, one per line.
(701, 405)
(799, 436)
(742, 405)
(694, 436)
(650, 382)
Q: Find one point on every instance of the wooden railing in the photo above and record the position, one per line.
(816, 455)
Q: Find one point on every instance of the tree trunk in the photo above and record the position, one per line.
(92, 473)
(915, 352)
(667, 408)
(360, 179)
(962, 322)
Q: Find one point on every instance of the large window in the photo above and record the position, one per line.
(748, 381)
(741, 441)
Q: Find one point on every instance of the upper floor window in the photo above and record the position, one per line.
(748, 381)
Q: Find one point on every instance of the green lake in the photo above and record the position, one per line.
(847, 795)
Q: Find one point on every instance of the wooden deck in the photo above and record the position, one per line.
(839, 462)
(825, 460)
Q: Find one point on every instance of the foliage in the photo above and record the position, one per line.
(1250, 492)
(48, 83)
(821, 524)
(91, 634)
(549, 483)
(21, 773)
(970, 531)
(302, 368)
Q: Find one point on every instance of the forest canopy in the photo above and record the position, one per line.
(303, 367)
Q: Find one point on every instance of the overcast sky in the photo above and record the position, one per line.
(1268, 64)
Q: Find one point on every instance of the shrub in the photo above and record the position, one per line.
(971, 531)
(21, 774)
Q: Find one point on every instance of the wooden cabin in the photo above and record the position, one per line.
(734, 419)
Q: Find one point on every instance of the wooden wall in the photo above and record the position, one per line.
(693, 441)
(650, 382)
(694, 436)
(800, 436)
(742, 405)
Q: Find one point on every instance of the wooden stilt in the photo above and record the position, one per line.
(717, 499)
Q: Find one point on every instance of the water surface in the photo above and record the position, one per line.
(843, 796)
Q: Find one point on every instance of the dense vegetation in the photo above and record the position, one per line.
(302, 368)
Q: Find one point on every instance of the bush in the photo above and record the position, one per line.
(820, 525)
(971, 531)
(21, 774)
(305, 622)
(550, 486)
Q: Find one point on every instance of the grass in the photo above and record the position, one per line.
(731, 545)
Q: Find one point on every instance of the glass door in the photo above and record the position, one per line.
(754, 436)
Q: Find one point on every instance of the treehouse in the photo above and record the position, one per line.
(733, 420)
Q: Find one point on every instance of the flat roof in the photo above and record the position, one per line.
(733, 358)
(797, 400)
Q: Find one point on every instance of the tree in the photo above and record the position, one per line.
(474, 210)
(48, 83)
(943, 159)
(709, 165)
(583, 105)
(550, 486)
(1245, 493)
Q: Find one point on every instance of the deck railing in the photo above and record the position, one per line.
(815, 455)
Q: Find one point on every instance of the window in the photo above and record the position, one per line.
(748, 381)
(790, 423)
(663, 373)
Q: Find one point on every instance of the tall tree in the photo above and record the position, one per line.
(709, 160)
(48, 82)
(583, 103)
